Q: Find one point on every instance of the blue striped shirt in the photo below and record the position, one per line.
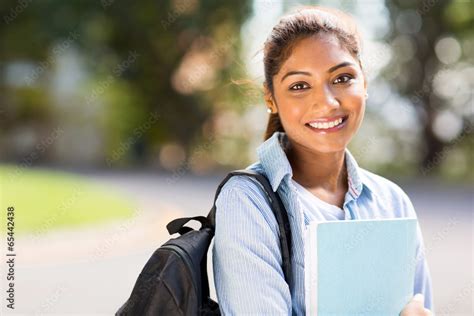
(248, 276)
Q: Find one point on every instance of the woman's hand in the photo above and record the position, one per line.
(416, 307)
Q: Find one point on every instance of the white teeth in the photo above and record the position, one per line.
(326, 125)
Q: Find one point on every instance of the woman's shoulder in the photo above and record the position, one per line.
(244, 194)
(245, 185)
(387, 190)
(379, 183)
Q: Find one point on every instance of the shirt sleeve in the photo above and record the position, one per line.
(422, 282)
(247, 260)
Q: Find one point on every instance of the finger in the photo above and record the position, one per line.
(428, 312)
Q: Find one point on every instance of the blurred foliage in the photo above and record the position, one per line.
(150, 84)
(171, 59)
(432, 65)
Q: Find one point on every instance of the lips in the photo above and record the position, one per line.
(328, 124)
(327, 119)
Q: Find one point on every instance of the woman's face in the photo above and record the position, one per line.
(319, 94)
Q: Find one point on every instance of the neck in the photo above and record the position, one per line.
(317, 169)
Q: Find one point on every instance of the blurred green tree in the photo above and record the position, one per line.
(433, 43)
(167, 60)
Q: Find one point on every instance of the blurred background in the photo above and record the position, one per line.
(118, 116)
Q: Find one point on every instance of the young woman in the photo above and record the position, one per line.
(315, 91)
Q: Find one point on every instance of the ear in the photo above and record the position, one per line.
(364, 76)
(269, 101)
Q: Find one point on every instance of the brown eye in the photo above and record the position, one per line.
(299, 86)
(343, 79)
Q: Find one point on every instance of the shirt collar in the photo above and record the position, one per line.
(276, 165)
(273, 158)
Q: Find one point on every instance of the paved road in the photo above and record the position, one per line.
(92, 271)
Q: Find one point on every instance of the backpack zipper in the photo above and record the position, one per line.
(182, 254)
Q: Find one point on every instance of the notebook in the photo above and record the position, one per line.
(360, 267)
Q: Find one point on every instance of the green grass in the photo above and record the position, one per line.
(47, 200)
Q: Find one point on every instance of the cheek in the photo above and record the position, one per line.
(353, 100)
(357, 111)
(290, 109)
(353, 91)
(293, 112)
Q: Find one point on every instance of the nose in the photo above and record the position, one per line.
(324, 98)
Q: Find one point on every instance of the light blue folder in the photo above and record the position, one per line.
(360, 267)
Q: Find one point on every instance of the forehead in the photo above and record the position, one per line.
(318, 52)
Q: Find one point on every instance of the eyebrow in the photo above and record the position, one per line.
(332, 69)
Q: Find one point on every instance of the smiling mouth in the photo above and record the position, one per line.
(328, 125)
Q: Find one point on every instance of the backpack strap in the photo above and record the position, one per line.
(177, 225)
(278, 210)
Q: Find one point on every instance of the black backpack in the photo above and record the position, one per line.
(174, 280)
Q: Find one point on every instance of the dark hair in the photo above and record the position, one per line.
(305, 22)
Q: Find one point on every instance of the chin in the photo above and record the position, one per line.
(328, 149)
(324, 147)
(321, 143)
